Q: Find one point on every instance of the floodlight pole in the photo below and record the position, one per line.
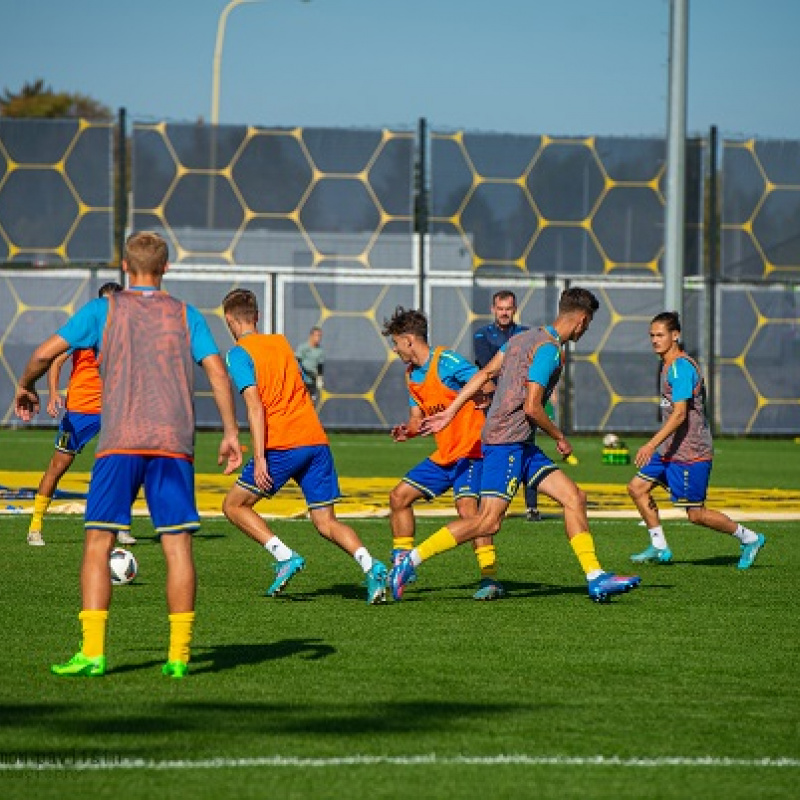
(674, 250)
(217, 63)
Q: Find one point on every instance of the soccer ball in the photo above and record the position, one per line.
(123, 566)
(611, 440)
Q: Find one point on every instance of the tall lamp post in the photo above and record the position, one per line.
(215, 69)
(220, 43)
(674, 237)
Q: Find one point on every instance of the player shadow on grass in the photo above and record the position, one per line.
(711, 561)
(218, 658)
(229, 656)
(341, 591)
(514, 590)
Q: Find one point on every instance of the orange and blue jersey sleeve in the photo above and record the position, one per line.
(683, 378)
(241, 368)
(200, 338)
(546, 361)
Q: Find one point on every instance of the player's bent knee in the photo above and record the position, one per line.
(638, 487)
(400, 499)
(324, 520)
(696, 515)
(231, 506)
(489, 525)
(574, 500)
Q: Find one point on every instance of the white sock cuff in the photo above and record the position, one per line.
(363, 559)
(278, 550)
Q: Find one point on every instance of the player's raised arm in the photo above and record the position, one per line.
(26, 398)
(54, 401)
(473, 387)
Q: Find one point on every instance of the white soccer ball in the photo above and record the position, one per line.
(611, 440)
(123, 566)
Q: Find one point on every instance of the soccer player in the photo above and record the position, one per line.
(527, 368)
(486, 342)
(311, 358)
(433, 378)
(679, 455)
(288, 443)
(79, 425)
(141, 336)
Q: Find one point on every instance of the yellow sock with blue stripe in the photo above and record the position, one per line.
(93, 625)
(487, 560)
(180, 636)
(583, 546)
(436, 543)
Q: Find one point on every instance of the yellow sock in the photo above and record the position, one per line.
(93, 624)
(180, 636)
(40, 506)
(436, 543)
(583, 545)
(403, 543)
(487, 560)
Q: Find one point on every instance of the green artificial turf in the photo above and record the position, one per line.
(699, 662)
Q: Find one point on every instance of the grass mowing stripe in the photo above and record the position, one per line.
(365, 760)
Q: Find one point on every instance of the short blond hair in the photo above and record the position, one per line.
(146, 253)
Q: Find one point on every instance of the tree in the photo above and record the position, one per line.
(38, 100)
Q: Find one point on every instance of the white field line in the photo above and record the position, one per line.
(58, 762)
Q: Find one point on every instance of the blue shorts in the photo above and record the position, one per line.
(76, 431)
(506, 466)
(168, 488)
(311, 468)
(432, 479)
(687, 483)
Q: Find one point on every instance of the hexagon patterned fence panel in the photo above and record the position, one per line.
(320, 223)
(588, 206)
(761, 210)
(364, 380)
(291, 198)
(56, 190)
(33, 305)
(758, 361)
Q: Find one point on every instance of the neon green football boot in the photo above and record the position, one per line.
(81, 666)
(175, 669)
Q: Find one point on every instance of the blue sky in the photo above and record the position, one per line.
(569, 67)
